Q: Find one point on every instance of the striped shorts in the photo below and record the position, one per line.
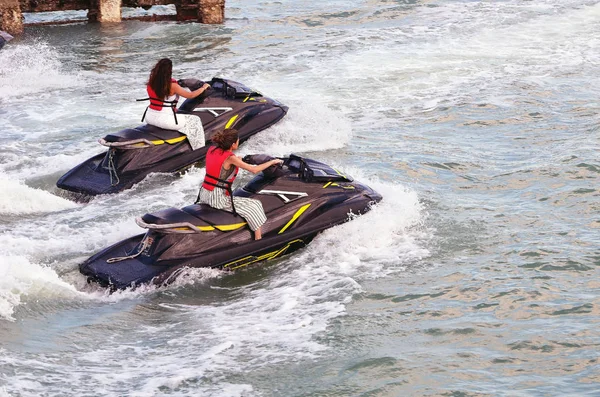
(249, 209)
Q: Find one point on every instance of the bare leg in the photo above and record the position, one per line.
(257, 234)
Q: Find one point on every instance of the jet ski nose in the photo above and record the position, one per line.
(373, 195)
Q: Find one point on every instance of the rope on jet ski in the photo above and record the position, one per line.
(122, 258)
(112, 170)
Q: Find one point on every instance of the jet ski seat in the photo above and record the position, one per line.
(143, 131)
(212, 215)
(192, 219)
(143, 135)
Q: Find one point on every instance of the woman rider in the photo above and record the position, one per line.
(164, 93)
(221, 169)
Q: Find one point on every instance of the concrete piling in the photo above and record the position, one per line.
(11, 19)
(211, 11)
(108, 11)
(104, 11)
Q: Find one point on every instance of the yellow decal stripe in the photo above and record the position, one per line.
(227, 228)
(339, 173)
(238, 261)
(170, 141)
(223, 228)
(268, 256)
(283, 249)
(337, 184)
(296, 215)
(231, 121)
(175, 140)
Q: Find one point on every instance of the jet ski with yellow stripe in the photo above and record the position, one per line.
(133, 153)
(301, 198)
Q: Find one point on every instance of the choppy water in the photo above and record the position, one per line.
(477, 275)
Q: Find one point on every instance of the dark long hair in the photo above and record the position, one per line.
(225, 139)
(160, 78)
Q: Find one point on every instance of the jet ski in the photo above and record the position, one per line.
(133, 153)
(301, 198)
(4, 38)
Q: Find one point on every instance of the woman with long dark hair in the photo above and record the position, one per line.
(221, 169)
(164, 93)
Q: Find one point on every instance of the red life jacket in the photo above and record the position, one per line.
(215, 158)
(157, 103)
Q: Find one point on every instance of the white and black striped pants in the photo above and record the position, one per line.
(249, 209)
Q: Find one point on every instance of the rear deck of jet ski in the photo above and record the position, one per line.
(147, 147)
(150, 133)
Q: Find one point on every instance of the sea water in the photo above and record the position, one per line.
(477, 275)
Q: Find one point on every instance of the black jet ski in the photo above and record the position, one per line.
(133, 153)
(4, 38)
(301, 198)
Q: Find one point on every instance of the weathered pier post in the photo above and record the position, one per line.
(203, 11)
(211, 11)
(104, 11)
(11, 20)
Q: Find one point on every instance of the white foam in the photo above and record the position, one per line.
(24, 168)
(307, 127)
(18, 198)
(26, 69)
(386, 240)
(19, 277)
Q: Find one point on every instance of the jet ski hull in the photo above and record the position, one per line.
(198, 236)
(134, 153)
(119, 275)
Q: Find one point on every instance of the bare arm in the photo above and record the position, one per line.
(177, 89)
(255, 169)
